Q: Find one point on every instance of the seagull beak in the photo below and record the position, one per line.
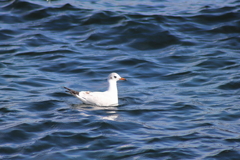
(123, 79)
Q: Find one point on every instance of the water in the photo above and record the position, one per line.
(181, 59)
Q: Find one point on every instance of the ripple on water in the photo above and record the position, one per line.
(181, 100)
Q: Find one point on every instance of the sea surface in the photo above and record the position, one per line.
(181, 60)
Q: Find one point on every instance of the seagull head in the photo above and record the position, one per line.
(115, 77)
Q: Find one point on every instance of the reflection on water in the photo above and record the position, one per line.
(111, 112)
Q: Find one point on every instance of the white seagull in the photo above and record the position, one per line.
(107, 98)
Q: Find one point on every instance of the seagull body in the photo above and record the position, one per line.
(107, 98)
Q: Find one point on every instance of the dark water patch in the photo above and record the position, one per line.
(65, 139)
(58, 94)
(190, 27)
(65, 7)
(36, 82)
(36, 15)
(152, 19)
(233, 140)
(14, 136)
(178, 75)
(174, 18)
(183, 106)
(5, 110)
(143, 36)
(217, 53)
(231, 67)
(188, 43)
(18, 6)
(172, 153)
(230, 85)
(103, 18)
(210, 19)
(224, 9)
(133, 62)
(172, 59)
(10, 19)
(97, 37)
(229, 116)
(53, 156)
(59, 23)
(154, 41)
(37, 146)
(10, 32)
(148, 36)
(146, 115)
(215, 63)
(228, 153)
(4, 36)
(129, 100)
(43, 105)
(228, 29)
(7, 150)
(34, 127)
(194, 82)
(6, 52)
(39, 39)
(65, 67)
(47, 55)
(72, 10)
(232, 42)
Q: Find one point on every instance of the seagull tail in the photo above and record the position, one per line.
(71, 91)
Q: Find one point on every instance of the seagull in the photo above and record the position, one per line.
(107, 98)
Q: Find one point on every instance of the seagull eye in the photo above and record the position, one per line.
(115, 76)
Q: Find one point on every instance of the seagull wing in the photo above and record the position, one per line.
(97, 98)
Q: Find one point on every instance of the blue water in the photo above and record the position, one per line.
(181, 60)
